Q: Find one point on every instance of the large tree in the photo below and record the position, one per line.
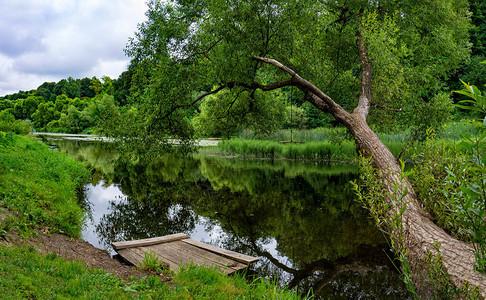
(345, 58)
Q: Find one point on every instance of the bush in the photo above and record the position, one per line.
(9, 124)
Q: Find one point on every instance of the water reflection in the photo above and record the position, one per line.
(301, 219)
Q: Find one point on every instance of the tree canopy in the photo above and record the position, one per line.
(189, 49)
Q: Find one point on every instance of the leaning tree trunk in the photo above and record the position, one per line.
(422, 239)
(419, 236)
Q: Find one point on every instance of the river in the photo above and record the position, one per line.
(300, 218)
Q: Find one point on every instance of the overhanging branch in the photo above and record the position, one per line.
(267, 87)
(321, 99)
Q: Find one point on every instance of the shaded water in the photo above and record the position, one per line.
(300, 218)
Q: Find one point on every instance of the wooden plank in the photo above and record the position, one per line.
(131, 256)
(172, 259)
(150, 241)
(177, 253)
(168, 252)
(226, 253)
(198, 256)
(192, 250)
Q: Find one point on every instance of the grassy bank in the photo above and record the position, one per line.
(28, 275)
(38, 189)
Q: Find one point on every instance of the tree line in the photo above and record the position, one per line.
(79, 105)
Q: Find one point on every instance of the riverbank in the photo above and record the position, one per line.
(41, 255)
(330, 144)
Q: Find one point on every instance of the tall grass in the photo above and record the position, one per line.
(271, 149)
(457, 130)
(310, 135)
(332, 143)
(326, 151)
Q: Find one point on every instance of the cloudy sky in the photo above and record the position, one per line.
(48, 40)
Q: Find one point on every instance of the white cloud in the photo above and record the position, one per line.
(47, 40)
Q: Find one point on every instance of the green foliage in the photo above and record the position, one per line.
(387, 214)
(8, 123)
(472, 196)
(430, 115)
(315, 117)
(40, 186)
(451, 182)
(99, 109)
(295, 117)
(45, 113)
(478, 32)
(151, 262)
(430, 178)
(186, 49)
(222, 115)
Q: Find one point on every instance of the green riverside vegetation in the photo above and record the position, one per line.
(39, 188)
(331, 143)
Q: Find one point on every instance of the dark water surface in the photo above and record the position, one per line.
(300, 218)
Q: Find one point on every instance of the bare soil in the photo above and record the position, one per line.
(76, 249)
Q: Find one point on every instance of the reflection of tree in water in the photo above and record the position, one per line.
(155, 205)
(323, 237)
(99, 155)
(130, 220)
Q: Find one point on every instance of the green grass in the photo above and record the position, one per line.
(329, 143)
(27, 274)
(306, 135)
(326, 151)
(40, 186)
(271, 149)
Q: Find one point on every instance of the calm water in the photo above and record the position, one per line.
(301, 219)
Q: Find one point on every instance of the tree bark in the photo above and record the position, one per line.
(420, 236)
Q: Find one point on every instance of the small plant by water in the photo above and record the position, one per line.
(389, 219)
(151, 262)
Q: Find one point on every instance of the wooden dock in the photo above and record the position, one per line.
(178, 249)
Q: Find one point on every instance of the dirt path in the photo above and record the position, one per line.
(75, 249)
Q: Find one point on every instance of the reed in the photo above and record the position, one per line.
(271, 149)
